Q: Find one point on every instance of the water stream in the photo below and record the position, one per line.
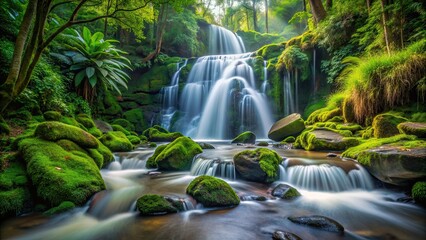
(366, 211)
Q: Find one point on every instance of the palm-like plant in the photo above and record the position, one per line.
(96, 63)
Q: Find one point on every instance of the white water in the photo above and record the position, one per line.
(265, 84)
(213, 167)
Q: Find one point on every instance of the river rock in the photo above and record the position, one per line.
(282, 235)
(259, 165)
(331, 155)
(204, 145)
(285, 191)
(413, 128)
(212, 192)
(291, 125)
(395, 164)
(321, 222)
(245, 137)
(153, 204)
(321, 139)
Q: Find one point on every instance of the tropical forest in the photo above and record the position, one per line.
(213, 119)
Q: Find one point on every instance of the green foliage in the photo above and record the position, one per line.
(293, 58)
(52, 116)
(63, 207)
(116, 141)
(212, 192)
(6, 53)
(152, 204)
(419, 192)
(96, 63)
(135, 116)
(124, 123)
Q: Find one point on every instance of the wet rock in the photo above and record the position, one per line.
(291, 125)
(262, 144)
(321, 222)
(385, 125)
(204, 145)
(282, 235)
(331, 155)
(245, 137)
(103, 126)
(285, 191)
(260, 165)
(413, 128)
(253, 198)
(153, 204)
(154, 173)
(321, 139)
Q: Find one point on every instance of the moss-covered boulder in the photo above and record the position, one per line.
(285, 191)
(159, 134)
(135, 140)
(212, 192)
(54, 131)
(385, 125)
(175, 156)
(418, 192)
(63, 207)
(120, 129)
(413, 128)
(322, 139)
(245, 137)
(52, 116)
(259, 165)
(116, 141)
(135, 116)
(59, 175)
(124, 123)
(397, 160)
(291, 125)
(153, 204)
(89, 124)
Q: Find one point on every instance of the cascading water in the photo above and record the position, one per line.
(213, 167)
(220, 99)
(265, 84)
(170, 97)
(325, 177)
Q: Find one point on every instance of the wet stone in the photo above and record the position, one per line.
(320, 222)
(282, 235)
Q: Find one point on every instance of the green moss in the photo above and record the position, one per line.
(106, 153)
(212, 192)
(152, 204)
(120, 129)
(151, 162)
(135, 140)
(95, 131)
(289, 139)
(159, 134)
(385, 125)
(262, 144)
(270, 51)
(353, 152)
(268, 160)
(308, 140)
(152, 145)
(71, 121)
(291, 194)
(52, 116)
(124, 123)
(54, 131)
(111, 105)
(348, 110)
(245, 137)
(4, 127)
(63, 207)
(293, 58)
(59, 175)
(97, 157)
(418, 117)
(351, 127)
(411, 128)
(12, 201)
(116, 141)
(291, 125)
(85, 120)
(20, 114)
(418, 192)
(135, 116)
(313, 107)
(176, 155)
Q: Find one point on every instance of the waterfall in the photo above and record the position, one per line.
(170, 97)
(220, 98)
(265, 84)
(289, 106)
(213, 167)
(326, 177)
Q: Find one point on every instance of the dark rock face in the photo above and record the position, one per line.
(291, 125)
(282, 235)
(285, 191)
(321, 222)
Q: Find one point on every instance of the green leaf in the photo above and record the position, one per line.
(98, 36)
(79, 77)
(99, 62)
(87, 35)
(90, 71)
(93, 80)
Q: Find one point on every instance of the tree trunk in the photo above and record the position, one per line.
(385, 16)
(161, 26)
(304, 5)
(266, 16)
(368, 6)
(256, 28)
(318, 10)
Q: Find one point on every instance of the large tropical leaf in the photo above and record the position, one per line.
(90, 71)
(79, 77)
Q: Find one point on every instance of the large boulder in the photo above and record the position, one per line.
(321, 222)
(175, 156)
(322, 139)
(159, 134)
(153, 204)
(385, 125)
(212, 192)
(245, 137)
(116, 141)
(259, 165)
(291, 125)
(413, 128)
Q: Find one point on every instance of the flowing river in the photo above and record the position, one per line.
(338, 189)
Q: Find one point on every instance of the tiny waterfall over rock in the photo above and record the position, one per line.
(220, 98)
(213, 167)
(326, 177)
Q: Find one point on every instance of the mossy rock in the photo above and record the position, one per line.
(289, 139)
(153, 204)
(116, 141)
(120, 129)
(320, 222)
(175, 156)
(259, 165)
(418, 192)
(12, 201)
(63, 207)
(348, 110)
(111, 106)
(324, 139)
(52, 116)
(103, 126)
(323, 115)
(135, 116)
(128, 105)
(262, 144)
(124, 123)
(159, 134)
(212, 192)
(135, 140)
(85, 120)
(245, 137)
(20, 114)
(106, 153)
(151, 162)
(286, 192)
(59, 175)
(204, 145)
(292, 125)
(147, 132)
(413, 128)
(385, 125)
(54, 131)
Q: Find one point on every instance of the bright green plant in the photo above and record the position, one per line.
(96, 63)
